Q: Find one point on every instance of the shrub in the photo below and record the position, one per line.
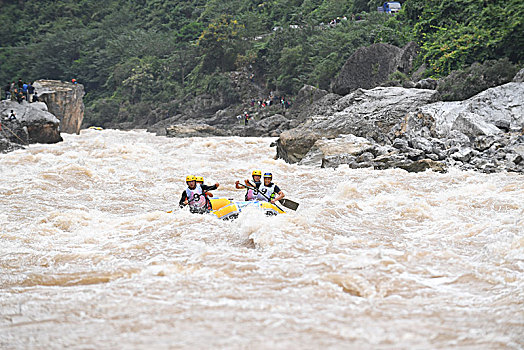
(463, 84)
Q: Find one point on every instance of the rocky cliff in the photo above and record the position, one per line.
(371, 66)
(33, 124)
(65, 101)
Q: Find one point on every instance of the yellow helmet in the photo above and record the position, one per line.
(190, 178)
(256, 172)
(199, 179)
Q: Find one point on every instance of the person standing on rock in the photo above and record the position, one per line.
(24, 91)
(7, 91)
(30, 92)
(246, 118)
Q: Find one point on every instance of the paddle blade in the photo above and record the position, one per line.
(288, 203)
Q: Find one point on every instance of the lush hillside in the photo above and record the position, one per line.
(133, 56)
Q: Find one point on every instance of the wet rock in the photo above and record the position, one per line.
(65, 101)
(194, 130)
(414, 154)
(423, 165)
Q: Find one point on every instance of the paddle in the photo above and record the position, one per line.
(288, 203)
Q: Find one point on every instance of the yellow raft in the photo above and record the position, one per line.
(224, 208)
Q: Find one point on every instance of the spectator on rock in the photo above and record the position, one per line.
(246, 118)
(35, 97)
(20, 84)
(24, 91)
(30, 92)
(7, 91)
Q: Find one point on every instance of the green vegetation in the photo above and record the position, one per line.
(149, 57)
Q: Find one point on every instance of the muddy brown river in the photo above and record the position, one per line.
(90, 258)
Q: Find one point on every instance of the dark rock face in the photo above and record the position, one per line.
(33, 124)
(371, 66)
(65, 101)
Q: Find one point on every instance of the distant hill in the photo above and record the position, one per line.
(144, 57)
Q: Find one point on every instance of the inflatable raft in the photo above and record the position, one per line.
(226, 209)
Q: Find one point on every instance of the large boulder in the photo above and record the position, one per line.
(500, 105)
(65, 101)
(365, 113)
(33, 124)
(371, 66)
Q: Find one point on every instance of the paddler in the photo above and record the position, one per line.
(268, 191)
(200, 181)
(251, 195)
(194, 196)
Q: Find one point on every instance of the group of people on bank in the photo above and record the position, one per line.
(21, 91)
(197, 195)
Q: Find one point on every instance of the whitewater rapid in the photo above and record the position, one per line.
(90, 258)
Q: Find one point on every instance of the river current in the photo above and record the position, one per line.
(90, 258)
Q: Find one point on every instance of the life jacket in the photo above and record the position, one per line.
(266, 192)
(251, 195)
(196, 198)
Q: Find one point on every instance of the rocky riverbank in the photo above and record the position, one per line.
(410, 129)
(61, 109)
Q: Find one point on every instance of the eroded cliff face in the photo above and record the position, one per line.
(65, 101)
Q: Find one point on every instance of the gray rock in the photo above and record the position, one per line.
(422, 144)
(341, 147)
(400, 144)
(519, 77)
(483, 143)
(505, 102)
(430, 84)
(463, 155)
(37, 125)
(471, 124)
(456, 138)
(503, 125)
(370, 66)
(414, 154)
(365, 113)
